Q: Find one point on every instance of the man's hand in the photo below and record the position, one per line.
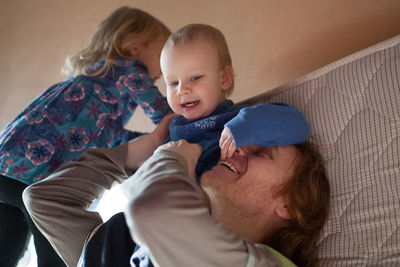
(191, 152)
(226, 144)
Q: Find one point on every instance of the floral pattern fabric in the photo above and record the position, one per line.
(74, 115)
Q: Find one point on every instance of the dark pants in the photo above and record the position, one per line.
(110, 246)
(16, 226)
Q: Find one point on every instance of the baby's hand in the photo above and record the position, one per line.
(226, 144)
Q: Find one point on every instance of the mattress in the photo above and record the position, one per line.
(353, 108)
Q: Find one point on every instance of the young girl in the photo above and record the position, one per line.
(110, 77)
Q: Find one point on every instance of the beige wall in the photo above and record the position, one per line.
(271, 41)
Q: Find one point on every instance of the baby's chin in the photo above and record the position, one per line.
(195, 116)
(188, 117)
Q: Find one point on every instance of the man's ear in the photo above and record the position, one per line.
(281, 211)
(226, 77)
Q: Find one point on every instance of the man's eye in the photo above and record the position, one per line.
(195, 78)
(264, 153)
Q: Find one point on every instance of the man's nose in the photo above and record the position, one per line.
(242, 151)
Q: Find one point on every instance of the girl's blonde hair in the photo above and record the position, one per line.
(193, 32)
(113, 37)
(308, 195)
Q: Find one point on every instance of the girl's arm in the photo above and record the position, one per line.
(142, 148)
(147, 95)
(125, 136)
(273, 124)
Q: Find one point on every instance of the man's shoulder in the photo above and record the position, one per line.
(284, 261)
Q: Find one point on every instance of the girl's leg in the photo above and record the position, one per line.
(11, 194)
(14, 235)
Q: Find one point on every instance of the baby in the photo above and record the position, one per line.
(197, 69)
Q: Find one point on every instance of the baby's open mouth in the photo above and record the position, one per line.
(190, 104)
(229, 166)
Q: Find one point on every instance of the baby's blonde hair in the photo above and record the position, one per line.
(113, 37)
(194, 32)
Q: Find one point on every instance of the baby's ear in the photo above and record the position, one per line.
(226, 77)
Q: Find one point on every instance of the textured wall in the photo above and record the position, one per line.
(271, 41)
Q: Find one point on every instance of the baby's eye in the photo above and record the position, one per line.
(195, 78)
(173, 83)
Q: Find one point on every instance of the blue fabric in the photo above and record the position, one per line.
(205, 132)
(74, 115)
(273, 124)
(140, 258)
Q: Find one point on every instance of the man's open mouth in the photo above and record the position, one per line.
(229, 166)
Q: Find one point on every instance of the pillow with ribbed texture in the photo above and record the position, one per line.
(353, 106)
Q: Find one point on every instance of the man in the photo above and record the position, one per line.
(247, 200)
(242, 204)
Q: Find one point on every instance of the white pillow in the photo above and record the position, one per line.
(353, 108)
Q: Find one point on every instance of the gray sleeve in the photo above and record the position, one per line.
(167, 215)
(59, 204)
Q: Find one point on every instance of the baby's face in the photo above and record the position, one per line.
(194, 79)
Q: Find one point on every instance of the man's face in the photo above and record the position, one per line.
(246, 183)
(193, 77)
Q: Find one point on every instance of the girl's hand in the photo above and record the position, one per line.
(226, 144)
(191, 152)
(141, 148)
(161, 132)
